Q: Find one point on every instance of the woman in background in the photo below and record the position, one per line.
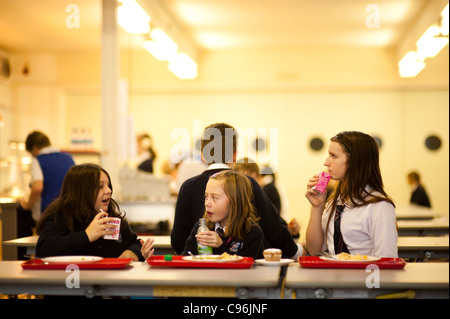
(146, 154)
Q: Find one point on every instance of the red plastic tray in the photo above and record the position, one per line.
(383, 263)
(177, 261)
(106, 263)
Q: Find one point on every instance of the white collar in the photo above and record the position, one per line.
(217, 225)
(218, 166)
(48, 150)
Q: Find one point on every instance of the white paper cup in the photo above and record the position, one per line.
(116, 222)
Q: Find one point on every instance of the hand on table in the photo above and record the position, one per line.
(147, 249)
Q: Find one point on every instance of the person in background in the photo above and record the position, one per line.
(419, 195)
(230, 216)
(146, 153)
(48, 168)
(75, 223)
(250, 168)
(219, 149)
(364, 220)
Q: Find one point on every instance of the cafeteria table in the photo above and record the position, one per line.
(141, 279)
(162, 244)
(422, 248)
(415, 212)
(433, 227)
(411, 247)
(415, 280)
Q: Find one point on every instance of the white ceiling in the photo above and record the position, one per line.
(40, 25)
(218, 24)
(266, 23)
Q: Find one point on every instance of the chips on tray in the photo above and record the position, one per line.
(346, 256)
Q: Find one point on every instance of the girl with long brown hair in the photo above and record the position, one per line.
(230, 217)
(358, 217)
(76, 222)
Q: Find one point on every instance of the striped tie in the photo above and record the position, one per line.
(339, 245)
(220, 232)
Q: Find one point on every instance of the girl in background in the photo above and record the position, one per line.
(75, 223)
(368, 220)
(230, 216)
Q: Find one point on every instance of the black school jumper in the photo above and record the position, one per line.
(190, 207)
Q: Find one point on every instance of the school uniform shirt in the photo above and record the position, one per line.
(190, 206)
(56, 239)
(50, 167)
(366, 230)
(251, 246)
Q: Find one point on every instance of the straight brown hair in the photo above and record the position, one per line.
(363, 169)
(76, 201)
(242, 215)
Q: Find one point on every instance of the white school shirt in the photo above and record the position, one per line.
(367, 230)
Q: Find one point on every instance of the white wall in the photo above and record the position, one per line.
(299, 92)
(390, 115)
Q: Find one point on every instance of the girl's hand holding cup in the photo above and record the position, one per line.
(315, 198)
(100, 226)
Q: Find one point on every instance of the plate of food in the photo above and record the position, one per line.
(71, 259)
(281, 262)
(345, 257)
(225, 257)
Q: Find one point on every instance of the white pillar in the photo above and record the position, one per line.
(110, 89)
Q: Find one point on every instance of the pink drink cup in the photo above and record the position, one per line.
(322, 183)
(115, 236)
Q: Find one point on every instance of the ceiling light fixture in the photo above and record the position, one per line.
(431, 43)
(444, 21)
(410, 65)
(433, 40)
(161, 46)
(183, 67)
(132, 17)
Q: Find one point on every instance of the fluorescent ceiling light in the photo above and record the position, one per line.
(410, 65)
(431, 43)
(132, 17)
(444, 21)
(161, 46)
(183, 67)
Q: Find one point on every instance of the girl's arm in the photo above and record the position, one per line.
(253, 244)
(383, 230)
(191, 242)
(53, 243)
(314, 232)
(133, 244)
